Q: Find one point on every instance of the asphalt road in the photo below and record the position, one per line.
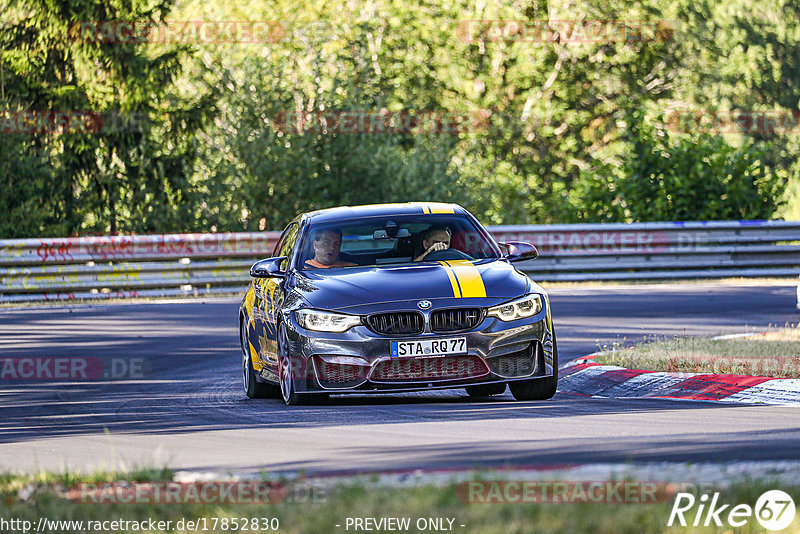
(184, 407)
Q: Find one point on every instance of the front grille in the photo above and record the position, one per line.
(424, 369)
(455, 319)
(396, 323)
(514, 364)
(338, 375)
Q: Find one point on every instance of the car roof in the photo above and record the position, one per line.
(377, 210)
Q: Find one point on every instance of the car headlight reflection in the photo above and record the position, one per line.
(527, 306)
(322, 321)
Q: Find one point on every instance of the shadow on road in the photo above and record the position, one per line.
(197, 404)
(193, 373)
(551, 453)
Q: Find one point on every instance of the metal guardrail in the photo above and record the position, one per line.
(179, 264)
(664, 250)
(128, 266)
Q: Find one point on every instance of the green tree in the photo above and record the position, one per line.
(328, 62)
(134, 176)
(698, 177)
(573, 130)
(27, 202)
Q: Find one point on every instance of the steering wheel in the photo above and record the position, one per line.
(447, 254)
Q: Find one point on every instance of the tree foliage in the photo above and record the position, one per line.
(572, 131)
(697, 177)
(132, 176)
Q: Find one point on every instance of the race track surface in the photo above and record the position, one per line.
(187, 411)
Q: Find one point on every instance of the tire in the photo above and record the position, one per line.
(287, 378)
(252, 387)
(537, 388)
(486, 390)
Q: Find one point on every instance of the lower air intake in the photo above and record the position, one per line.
(338, 375)
(425, 369)
(516, 364)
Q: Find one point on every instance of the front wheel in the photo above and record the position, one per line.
(288, 376)
(537, 388)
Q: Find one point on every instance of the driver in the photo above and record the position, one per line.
(327, 244)
(433, 239)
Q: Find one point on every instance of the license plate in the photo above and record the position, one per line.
(429, 347)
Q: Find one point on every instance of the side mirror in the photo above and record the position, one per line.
(268, 268)
(519, 251)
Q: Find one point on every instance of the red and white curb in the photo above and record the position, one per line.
(587, 378)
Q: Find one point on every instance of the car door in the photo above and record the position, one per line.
(270, 294)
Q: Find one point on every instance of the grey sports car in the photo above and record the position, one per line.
(394, 297)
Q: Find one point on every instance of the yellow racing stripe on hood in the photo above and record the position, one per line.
(469, 279)
(453, 280)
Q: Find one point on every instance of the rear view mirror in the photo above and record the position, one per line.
(383, 234)
(519, 251)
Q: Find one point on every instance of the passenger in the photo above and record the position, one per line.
(433, 239)
(327, 244)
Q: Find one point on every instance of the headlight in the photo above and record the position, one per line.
(527, 306)
(326, 321)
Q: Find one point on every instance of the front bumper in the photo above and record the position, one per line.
(497, 351)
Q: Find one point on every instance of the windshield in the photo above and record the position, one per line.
(392, 240)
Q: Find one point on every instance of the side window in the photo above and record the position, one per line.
(286, 244)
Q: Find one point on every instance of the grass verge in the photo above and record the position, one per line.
(774, 354)
(29, 498)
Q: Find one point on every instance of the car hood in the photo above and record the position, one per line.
(453, 283)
